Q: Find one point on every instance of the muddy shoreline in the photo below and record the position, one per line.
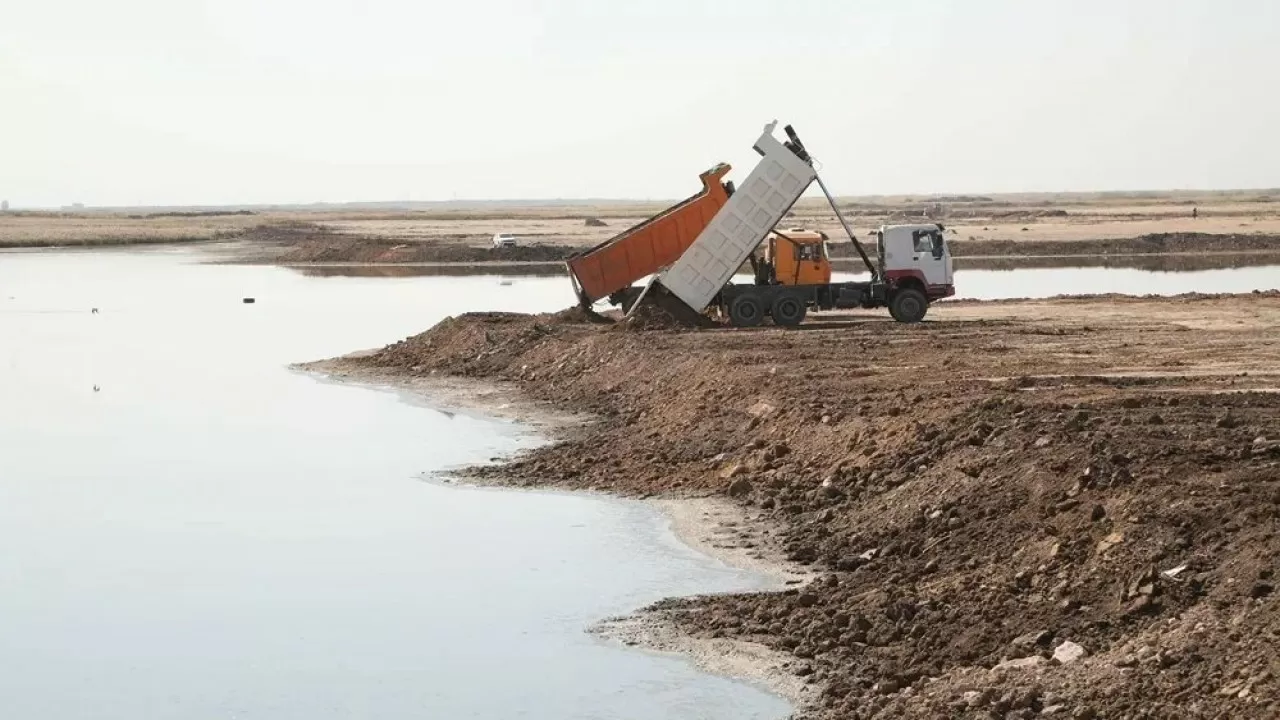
(1017, 509)
(713, 526)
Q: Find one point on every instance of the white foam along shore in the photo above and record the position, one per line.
(713, 526)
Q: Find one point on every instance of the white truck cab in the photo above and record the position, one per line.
(916, 255)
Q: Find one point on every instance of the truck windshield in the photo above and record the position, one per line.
(809, 252)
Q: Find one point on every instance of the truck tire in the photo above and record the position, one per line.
(745, 311)
(788, 311)
(908, 305)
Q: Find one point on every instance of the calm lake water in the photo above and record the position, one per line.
(210, 535)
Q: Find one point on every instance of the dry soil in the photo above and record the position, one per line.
(1058, 508)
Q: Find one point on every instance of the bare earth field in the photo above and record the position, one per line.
(41, 229)
(1037, 226)
(1061, 508)
(1057, 225)
(1019, 219)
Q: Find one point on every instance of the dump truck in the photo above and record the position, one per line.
(794, 276)
(913, 265)
(692, 250)
(609, 269)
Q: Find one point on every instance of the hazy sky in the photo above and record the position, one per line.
(250, 101)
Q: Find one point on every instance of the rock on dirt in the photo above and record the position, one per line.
(1031, 661)
(740, 488)
(1068, 652)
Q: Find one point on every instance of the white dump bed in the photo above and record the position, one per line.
(739, 227)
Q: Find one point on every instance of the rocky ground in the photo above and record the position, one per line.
(1062, 508)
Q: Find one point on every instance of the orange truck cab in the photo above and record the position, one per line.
(797, 257)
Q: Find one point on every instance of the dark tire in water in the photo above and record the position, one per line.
(788, 311)
(745, 311)
(908, 305)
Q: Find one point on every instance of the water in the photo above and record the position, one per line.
(970, 283)
(210, 535)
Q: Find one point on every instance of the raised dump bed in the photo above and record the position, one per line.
(782, 176)
(650, 246)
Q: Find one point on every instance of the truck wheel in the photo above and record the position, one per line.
(908, 305)
(788, 311)
(745, 311)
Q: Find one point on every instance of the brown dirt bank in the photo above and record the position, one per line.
(1154, 243)
(301, 243)
(1017, 468)
(980, 492)
(1156, 262)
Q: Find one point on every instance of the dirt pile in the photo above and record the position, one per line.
(658, 312)
(1061, 508)
(578, 315)
(1135, 527)
(470, 344)
(648, 316)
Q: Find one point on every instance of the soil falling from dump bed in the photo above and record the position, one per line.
(658, 312)
(579, 315)
(1062, 508)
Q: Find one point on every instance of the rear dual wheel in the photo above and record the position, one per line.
(908, 305)
(746, 311)
(788, 311)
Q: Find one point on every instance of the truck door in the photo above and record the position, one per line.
(931, 257)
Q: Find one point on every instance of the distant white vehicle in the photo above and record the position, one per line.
(501, 240)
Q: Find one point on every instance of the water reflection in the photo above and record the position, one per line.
(214, 535)
(1165, 262)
